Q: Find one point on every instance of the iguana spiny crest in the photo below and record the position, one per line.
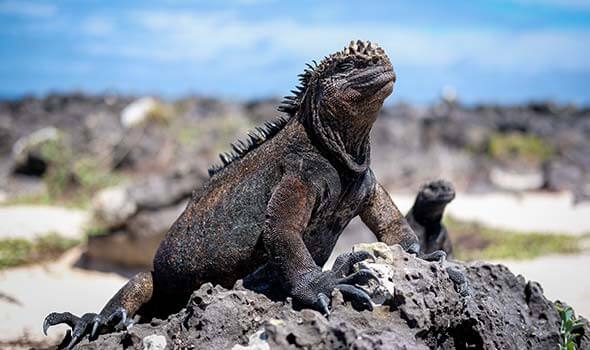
(358, 71)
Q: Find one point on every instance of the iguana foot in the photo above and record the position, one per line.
(458, 278)
(89, 324)
(317, 285)
(314, 293)
(114, 316)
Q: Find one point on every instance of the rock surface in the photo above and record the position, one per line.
(422, 311)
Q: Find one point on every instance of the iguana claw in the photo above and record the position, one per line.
(359, 299)
(90, 323)
(55, 318)
(324, 304)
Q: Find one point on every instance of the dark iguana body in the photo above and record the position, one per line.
(273, 213)
(426, 214)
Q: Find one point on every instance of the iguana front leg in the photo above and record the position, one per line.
(288, 213)
(388, 224)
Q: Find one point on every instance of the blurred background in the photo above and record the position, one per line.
(111, 113)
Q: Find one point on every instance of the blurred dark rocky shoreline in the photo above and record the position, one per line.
(538, 146)
(136, 161)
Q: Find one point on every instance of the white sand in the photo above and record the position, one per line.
(42, 289)
(533, 211)
(28, 221)
(563, 277)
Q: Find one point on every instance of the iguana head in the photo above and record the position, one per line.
(350, 80)
(432, 199)
(340, 98)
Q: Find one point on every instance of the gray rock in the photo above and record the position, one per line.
(27, 151)
(158, 191)
(137, 112)
(113, 206)
(423, 311)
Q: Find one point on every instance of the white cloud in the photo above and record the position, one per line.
(97, 26)
(207, 37)
(27, 9)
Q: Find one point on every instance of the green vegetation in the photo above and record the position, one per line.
(18, 251)
(162, 113)
(472, 241)
(70, 181)
(519, 147)
(214, 133)
(570, 327)
(90, 177)
(96, 230)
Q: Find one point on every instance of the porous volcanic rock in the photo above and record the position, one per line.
(423, 310)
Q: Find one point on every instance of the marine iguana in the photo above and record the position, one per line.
(277, 205)
(425, 216)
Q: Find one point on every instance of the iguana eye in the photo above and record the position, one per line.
(344, 66)
(361, 64)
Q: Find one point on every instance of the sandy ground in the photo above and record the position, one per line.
(533, 211)
(563, 277)
(28, 221)
(40, 289)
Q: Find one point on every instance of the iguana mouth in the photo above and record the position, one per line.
(373, 80)
(439, 198)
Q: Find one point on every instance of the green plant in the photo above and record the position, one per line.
(473, 241)
(96, 230)
(14, 251)
(161, 113)
(570, 327)
(519, 147)
(59, 158)
(19, 251)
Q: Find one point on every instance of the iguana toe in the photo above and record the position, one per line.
(56, 318)
(437, 255)
(344, 263)
(361, 277)
(120, 314)
(414, 248)
(460, 281)
(81, 329)
(359, 299)
(323, 303)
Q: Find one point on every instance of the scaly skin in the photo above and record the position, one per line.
(272, 213)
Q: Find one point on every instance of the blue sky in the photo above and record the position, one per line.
(487, 51)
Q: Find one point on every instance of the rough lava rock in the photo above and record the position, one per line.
(420, 310)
